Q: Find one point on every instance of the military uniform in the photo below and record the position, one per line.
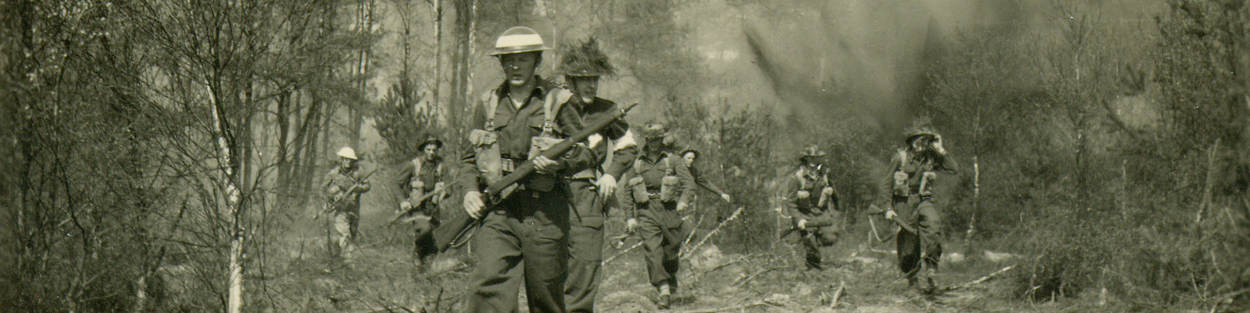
(525, 238)
(659, 185)
(915, 206)
(809, 197)
(418, 178)
(343, 202)
(586, 226)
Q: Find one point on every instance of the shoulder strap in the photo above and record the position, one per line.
(902, 157)
(668, 165)
(416, 166)
(491, 101)
(551, 106)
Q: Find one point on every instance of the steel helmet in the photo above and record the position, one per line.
(347, 153)
(918, 132)
(430, 140)
(812, 151)
(518, 39)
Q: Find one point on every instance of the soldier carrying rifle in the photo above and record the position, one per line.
(422, 190)
(913, 171)
(812, 203)
(343, 187)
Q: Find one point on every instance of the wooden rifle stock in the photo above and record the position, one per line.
(448, 231)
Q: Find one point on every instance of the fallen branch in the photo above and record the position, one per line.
(837, 295)
(692, 231)
(690, 251)
(744, 280)
(979, 280)
(623, 252)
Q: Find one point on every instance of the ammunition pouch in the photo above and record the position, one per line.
(669, 186)
(639, 189)
(486, 148)
(900, 184)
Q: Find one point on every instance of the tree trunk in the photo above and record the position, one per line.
(225, 143)
(438, 57)
(468, 60)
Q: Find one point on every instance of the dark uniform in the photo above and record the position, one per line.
(586, 226)
(526, 237)
(660, 184)
(418, 179)
(810, 197)
(915, 205)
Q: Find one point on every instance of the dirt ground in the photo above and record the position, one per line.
(382, 277)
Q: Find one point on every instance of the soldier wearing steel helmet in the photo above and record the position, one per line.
(525, 239)
(913, 171)
(422, 189)
(343, 187)
(582, 66)
(661, 188)
(812, 204)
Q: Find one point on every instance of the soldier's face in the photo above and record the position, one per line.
(585, 88)
(430, 150)
(919, 144)
(689, 158)
(518, 68)
(346, 163)
(810, 162)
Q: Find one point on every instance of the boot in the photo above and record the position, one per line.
(930, 275)
(663, 301)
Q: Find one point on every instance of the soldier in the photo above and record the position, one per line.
(661, 188)
(912, 175)
(688, 156)
(525, 238)
(343, 187)
(422, 189)
(812, 203)
(582, 66)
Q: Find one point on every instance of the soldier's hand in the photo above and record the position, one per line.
(726, 197)
(631, 225)
(803, 224)
(405, 205)
(828, 191)
(889, 215)
(681, 205)
(606, 184)
(544, 165)
(473, 204)
(803, 194)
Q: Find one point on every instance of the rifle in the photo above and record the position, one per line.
(416, 205)
(874, 210)
(811, 224)
(459, 224)
(333, 203)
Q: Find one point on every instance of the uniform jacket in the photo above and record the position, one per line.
(515, 127)
(812, 182)
(338, 184)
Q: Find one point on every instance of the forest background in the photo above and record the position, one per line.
(1108, 141)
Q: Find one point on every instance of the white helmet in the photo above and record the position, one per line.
(347, 152)
(518, 39)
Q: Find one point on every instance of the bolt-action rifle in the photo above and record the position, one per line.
(459, 224)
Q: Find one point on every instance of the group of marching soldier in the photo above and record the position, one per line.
(546, 230)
